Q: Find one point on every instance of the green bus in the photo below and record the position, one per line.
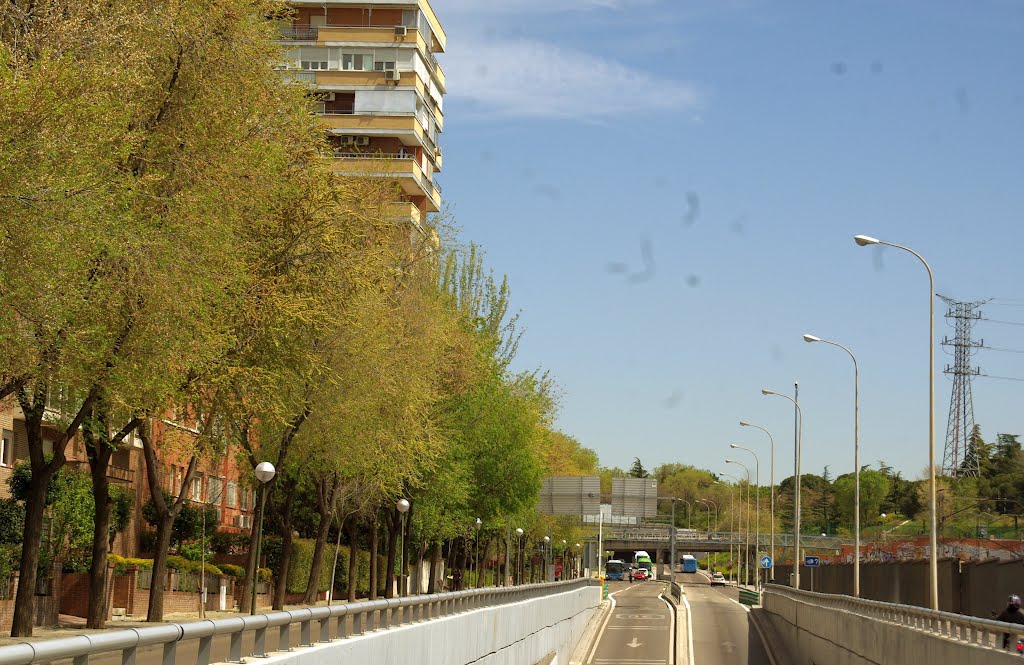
(642, 559)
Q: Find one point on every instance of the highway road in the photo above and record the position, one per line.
(722, 631)
(639, 629)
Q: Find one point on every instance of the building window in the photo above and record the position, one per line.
(245, 499)
(214, 490)
(7, 448)
(197, 487)
(357, 62)
(382, 65)
(232, 494)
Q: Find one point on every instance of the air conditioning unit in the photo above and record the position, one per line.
(392, 75)
(348, 140)
(401, 31)
(236, 521)
(361, 140)
(329, 97)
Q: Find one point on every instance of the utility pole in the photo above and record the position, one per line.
(960, 425)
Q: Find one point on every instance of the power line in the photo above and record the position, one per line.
(1002, 378)
(996, 348)
(1005, 323)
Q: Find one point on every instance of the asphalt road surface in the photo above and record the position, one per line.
(722, 631)
(639, 628)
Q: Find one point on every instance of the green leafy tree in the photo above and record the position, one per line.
(637, 470)
(874, 489)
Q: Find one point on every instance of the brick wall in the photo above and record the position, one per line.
(46, 607)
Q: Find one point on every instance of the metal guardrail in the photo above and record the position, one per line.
(969, 630)
(366, 616)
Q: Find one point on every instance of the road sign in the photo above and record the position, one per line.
(766, 562)
(812, 561)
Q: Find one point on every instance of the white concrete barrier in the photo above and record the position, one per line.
(816, 628)
(521, 633)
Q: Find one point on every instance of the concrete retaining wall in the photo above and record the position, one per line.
(519, 634)
(813, 634)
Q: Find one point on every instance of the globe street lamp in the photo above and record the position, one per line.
(757, 504)
(856, 460)
(771, 571)
(478, 523)
(547, 548)
(264, 472)
(798, 436)
(933, 561)
(519, 556)
(403, 507)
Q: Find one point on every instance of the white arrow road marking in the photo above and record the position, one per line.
(634, 643)
(728, 647)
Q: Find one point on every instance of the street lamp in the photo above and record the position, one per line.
(771, 439)
(264, 472)
(757, 504)
(478, 523)
(798, 436)
(578, 560)
(732, 515)
(403, 507)
(547, 548)
(746, 539)
(856, 460)
(519, 556)
(933, 562)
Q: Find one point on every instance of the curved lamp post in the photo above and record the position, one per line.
(757, 504)
(771, 479)
(856, 460)
(264, 472)
(933, 560)
(707, 504)
(732, 513)
(746, 538)
(798, 444)
(403, 507)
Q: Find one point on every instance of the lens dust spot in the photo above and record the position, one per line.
(838, 68)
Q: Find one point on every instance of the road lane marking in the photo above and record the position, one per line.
(671, 629)
(600, 633)
(689, 631)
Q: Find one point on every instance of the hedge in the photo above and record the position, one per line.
(10, 561)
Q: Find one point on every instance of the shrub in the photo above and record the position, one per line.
(12, 522)
(181, 564)
(301, 563)
(10, 560)
(231, 569)
(142, 564)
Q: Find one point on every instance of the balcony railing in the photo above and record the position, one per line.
(300, 33)
(310, 33)
(384, 156)
(400, 114)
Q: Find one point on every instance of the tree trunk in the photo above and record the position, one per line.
(373, 556)
(326, 495)
(97, 612)
(155, 611)
(394, 527)
(251, 565)
(166, 515)
(33, 407)
(353, 557)
(285, 522)
(435, 559)
(31, 546)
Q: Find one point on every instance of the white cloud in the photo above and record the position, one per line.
(535, 79)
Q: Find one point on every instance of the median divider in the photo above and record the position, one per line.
(748, 597)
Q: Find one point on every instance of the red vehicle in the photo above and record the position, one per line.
(640, 574)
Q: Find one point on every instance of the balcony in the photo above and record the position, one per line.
(367, 34)
(113, 472)
(382, 123)
(400, 166)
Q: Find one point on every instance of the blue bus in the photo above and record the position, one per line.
(614, 570)
(689, 564)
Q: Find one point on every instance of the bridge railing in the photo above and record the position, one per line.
(655, 534)
(958, 627)
(366, 616)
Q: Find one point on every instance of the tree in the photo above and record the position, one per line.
(874, 488)
(637, 470)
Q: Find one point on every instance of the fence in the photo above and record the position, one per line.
(957, 627)
(365, 616)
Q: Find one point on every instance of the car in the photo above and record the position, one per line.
(640, 574)
(717, 579)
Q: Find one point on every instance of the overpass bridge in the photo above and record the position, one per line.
(656, 539)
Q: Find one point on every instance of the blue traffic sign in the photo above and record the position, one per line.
(766, 562)
(812, 561)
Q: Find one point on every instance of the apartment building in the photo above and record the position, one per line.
(379, 89)
(219, 481)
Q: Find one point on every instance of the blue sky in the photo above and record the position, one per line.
(673, 187)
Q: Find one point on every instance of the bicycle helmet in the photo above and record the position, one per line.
(1013, 601)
